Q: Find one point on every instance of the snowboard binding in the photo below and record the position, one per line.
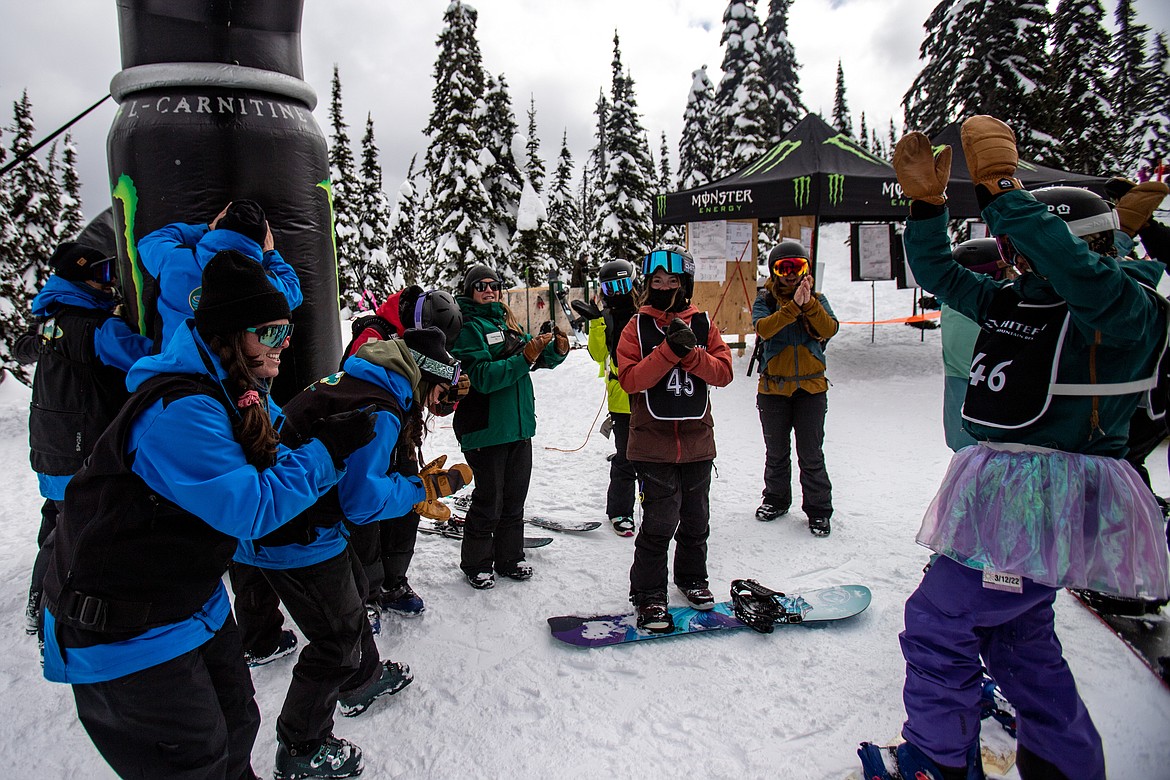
(761, 608)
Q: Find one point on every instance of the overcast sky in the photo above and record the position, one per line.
(66, 51)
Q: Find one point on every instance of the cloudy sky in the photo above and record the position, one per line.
(559, 53)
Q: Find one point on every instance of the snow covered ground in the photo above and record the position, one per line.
(494, 696)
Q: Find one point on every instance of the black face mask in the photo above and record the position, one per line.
(666, 300)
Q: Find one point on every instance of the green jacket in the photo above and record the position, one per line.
(501, 407)
(1107, 305)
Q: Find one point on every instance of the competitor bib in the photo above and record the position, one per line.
(679, 395)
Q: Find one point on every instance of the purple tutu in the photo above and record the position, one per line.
(1059, 518)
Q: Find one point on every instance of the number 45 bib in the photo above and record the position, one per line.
(679, 395)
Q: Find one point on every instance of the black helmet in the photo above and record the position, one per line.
(980, 255)
(431, 309)
(1085, 212)
(787, 249)
(616, 277)
(476, 273)
(674, 260)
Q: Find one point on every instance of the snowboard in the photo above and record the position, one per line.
(460, 504)
(820, 605)
(1147, 636)
(443, 528)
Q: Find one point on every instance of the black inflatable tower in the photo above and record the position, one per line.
(213, 108)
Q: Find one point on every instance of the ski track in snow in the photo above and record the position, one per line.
(495, 696)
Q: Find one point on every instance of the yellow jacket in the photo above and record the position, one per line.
(792, 356)
(618, 400)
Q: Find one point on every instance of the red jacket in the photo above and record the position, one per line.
(387, 311)
(669, 441)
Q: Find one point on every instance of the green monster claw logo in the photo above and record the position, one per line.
(661, 199)
(801, 186)
(774, 156)
(836, 188)
(845, 143)
(125, 192)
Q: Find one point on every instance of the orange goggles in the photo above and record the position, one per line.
(783, 266)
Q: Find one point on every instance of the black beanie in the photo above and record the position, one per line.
(428, 347)
(236, 294)
(478, 273)
(74, 261)
(246, 218)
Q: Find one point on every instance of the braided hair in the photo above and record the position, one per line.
(253, 427)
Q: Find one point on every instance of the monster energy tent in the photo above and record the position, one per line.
(812, 171)
(961, 194)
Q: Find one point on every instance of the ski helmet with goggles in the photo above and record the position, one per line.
(1085, 213)
(616, 278)
(675, 261)
(788, 257)
(431, 309)
(980, 255)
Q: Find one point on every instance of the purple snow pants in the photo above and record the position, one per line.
(952, 620)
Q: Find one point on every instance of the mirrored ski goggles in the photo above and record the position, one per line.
(485, 285)
(619, 286)
(1007, 250)
(783, 266)
(272, 335)
(671, 262)
(103, 271)
(444, 372)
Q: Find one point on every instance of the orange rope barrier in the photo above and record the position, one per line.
(930, 315)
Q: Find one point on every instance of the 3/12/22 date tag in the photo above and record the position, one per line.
(998, 580)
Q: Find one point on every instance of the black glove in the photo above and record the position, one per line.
(680, 338)
(345, 432)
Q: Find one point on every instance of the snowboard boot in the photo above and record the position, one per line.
(819, 526)
(481, 580)
(518, 571)
(906, 762)
(32, 613)
(331, 759)
(623, 526)
(402, 601)
(770, 510)
(698, 596)
(285, 645)
(654, 617)
(394, 677)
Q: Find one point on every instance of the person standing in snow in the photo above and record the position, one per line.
(136, 616)
(668, 356)
(616, 279)
(793, 393)
(1046, 500)
(82, 351)
(309, 563)
(495, 424)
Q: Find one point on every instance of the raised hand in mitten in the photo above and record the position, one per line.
(534, 347)
(1135, 207)
(921, 175)
(560, 341)
(990, 148)
(344, 433)
(680, 338)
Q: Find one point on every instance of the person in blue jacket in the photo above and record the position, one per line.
(82, 351)
(136, 617)
(1046, 499)
(318, 576)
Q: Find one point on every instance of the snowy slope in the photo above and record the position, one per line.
(494, 696)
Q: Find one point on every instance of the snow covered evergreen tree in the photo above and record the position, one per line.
(345, 188)
(12, 316)
(404, 245)
(1130, 84)
(671, 234)
(457, 210)
(780, 69)
(527, 244)
(377, 274)
(863, 135)
(743, 100)
(1154, 128)
(842, 120)
(562, 232)
(72, 215)
(501, 174)
(593, 174)
(697, 148)
(625, 228)
(33, 196)
(533, 164)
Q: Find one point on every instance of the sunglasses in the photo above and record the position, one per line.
(784, 266)
(103, 271)
(272, 335)
(671, 262)
(448, 372)
(484, 286)
(619, 286)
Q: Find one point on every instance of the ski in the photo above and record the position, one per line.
(444, 528)
(460, 504)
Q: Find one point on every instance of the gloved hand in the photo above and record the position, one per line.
(458, 391)
(345, 432)
(534, 347)
(921, 175)
(1135, 207)
(990, 147)
(560, 341)
(439, 482)
(680, 338)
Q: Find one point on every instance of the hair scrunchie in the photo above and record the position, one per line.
(250, 398)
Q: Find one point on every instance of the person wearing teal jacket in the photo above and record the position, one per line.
(495, 424)
(1046, 500)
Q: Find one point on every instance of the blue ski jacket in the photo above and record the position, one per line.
(369, 491)
(186, 451)
(175, 255)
